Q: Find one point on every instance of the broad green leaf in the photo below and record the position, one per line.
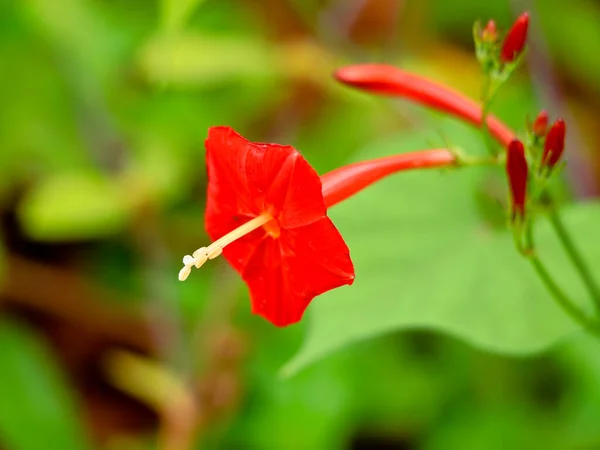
(176, 12)
(37, 410)
(196, 59)
(426, 257)
(74, 206)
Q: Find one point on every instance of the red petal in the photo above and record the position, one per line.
(228, 194)
(310, 257)
(294, 188)
(285, 274)
(247, 179)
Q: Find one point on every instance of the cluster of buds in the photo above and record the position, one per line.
(494, 54)
(520, 157)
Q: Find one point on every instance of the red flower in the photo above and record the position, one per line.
(266, 211)
(517, 170)
(389, 80)
(555, 144)
(515, 39)
(339, 184)
(266, 208)
(540, 124)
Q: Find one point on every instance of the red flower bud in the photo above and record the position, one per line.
(388, 80)
(555, 144)
(345, 181)
(540, 124)
(517, 170)
(489, 33)
(515, 39)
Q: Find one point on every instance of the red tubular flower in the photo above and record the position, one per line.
(517, 170)
(555, 144)
(540, 124)
(267, 211)
(515, 39)
(339, 184)
(388, 80)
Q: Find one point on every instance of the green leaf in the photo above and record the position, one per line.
(176, 12)
(163, 170)
(427, 256)
(196, 59)
(37, 410)
(74, 206)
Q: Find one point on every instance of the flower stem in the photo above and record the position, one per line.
(488, 94)
(575, 256)
(473, 161)
(561, 299)
(565, 303)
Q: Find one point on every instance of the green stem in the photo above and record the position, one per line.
(575, 256)
(561, 299)
(485, 110)
(516, 232)
(488, 94)
(469, 161)
(565, 303)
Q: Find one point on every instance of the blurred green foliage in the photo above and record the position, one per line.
(105, 106)
(36, 409)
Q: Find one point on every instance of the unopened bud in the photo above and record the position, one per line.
(540, 124)
(515, 39)
(489, 33)
(555, 144)
(517, 171)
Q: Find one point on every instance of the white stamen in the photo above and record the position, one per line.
(184, 273)
(214, 253)
(200, 256)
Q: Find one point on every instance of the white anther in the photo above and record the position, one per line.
(184, 273)
(203, 254)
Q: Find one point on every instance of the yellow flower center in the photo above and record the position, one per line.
(272, 228)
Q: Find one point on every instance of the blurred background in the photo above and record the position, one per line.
(105, 105)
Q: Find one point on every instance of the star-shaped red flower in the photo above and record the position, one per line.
(266, 211)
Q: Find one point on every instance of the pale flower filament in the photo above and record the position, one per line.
(200, 256)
